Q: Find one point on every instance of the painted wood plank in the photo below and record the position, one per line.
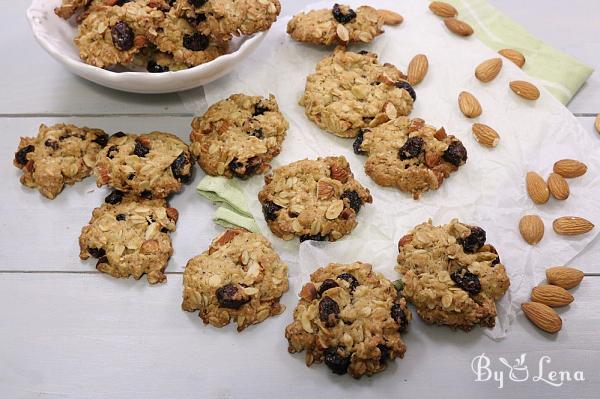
(89, 336)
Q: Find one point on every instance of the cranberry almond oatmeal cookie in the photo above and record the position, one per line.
(450, 274)
(60, 154)
(239, 277)
(349, 317)
(351, 91)
(313, 199)
(410, 155)
(336, 26)
(130, 237)
(152, 165)
(238, 136)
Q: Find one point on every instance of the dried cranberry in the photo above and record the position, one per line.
(111, 150)
(315, 237)
(260, 109)
(350, 279)
(178, 168)
(97, 252)
(153, 67)
(326, 285)
(195, 42)
(456, 153)
(52, 144)
(231, 296)
(121, 216)
(147, 194)
(243, 170)
(358, 142)
(119, 134)
(363, 52)
(114, 198)
(122, 36)
(353, 198)
(403, 84)
(339, 15)
(270, 210)
(197, 3)
(399, 317)
(337, 363)
(467, 281)
(384, 353)
(140, 149)
(328, 311)
(473, 241)
(101, 139)
(21, 155)
(258, 133)
(412, 148)
(197, 19)
(102, 260)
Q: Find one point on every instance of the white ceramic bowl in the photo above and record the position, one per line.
(56, 35)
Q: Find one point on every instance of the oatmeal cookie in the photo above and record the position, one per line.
(339, 25)
(178, 37)
(351, 91)
(130, 237)
(68, 8)
(313, 199)
(349, 317)
(409, 155)
(450, 274)
(112, 35)
(152, 165)
(238, 136)
(226, 18)
(239, 277)
(60, 154)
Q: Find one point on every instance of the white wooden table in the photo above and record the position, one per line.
(67, 331)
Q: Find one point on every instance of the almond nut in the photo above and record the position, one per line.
(513, 55)
(339, 173)
(459, 27)
(442, 9)
(469, 105)
(525, 89)
(558, 186)
(485, 135)
(569, 168)
(390, 17)
(537, 188)
(531, 228)
(565, 277)
(551, 295)
(342, 33)
(417, 69)
(572, 225)
(543, 316)
(488, 70)
(324, 190)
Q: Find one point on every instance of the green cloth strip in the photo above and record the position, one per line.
(224, 192)
(227, 218)
(561, 74)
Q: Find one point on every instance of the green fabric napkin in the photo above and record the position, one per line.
(561, 75)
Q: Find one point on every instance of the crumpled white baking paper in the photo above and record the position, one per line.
(488, 191)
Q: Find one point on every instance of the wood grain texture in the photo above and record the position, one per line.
(91, 336)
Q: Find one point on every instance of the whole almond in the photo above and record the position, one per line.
(597, 123)
(417, 69)
(469, 105)
(459, 27)
(525, 89)
(390, 17)
(443, 9)
(569, 168)
(558, 186)
(488, 70)
(324, 190)
(513, 55)
(572, 225)
(551, 295)
(537, 188)
(485, 135)
(531, 228)
(543, 316)
(565, 277)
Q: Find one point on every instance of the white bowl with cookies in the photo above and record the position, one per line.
(118, 46)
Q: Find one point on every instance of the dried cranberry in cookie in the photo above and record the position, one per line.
(239, 278)
(60, 154)
(409, 155)
(350, 318)
(313, 199)
(450, 275)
